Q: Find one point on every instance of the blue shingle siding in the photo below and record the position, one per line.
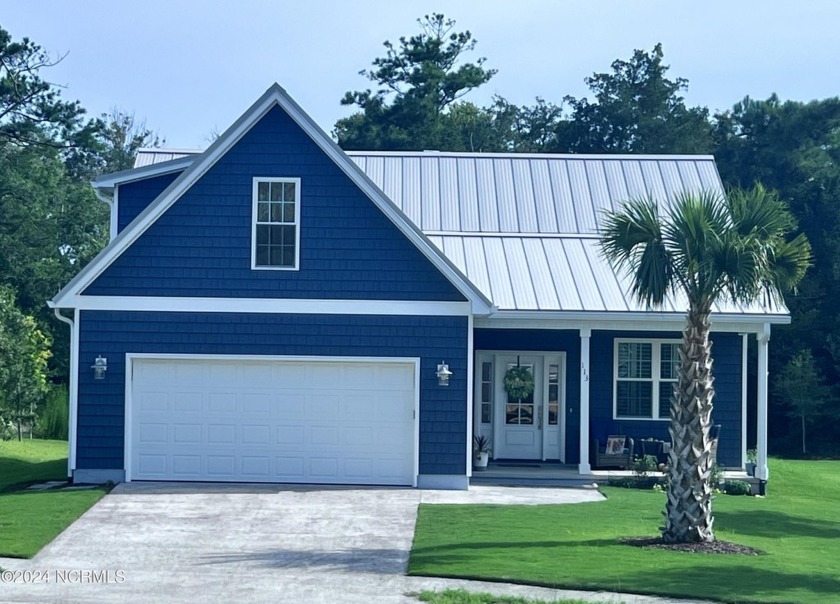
(443, 411)
(726, 354)
(201, 246)
(134, 197)
(545, 340)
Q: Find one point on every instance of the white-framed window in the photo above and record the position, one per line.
(644, 376)
(275, 238)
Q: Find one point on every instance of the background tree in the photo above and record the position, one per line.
(704, 247)
(417, 80)
(801, 389)
(31, 109)
(24, 351)
(636, 109)
(794, 148)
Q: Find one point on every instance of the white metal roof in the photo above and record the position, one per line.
(152, 156)
(523, 227)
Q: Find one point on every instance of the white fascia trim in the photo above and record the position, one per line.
(622, 321)
(510, 235)
(569, 156)
(107, 181)
(273, 305)
(275, 95)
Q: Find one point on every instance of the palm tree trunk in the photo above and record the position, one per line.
(688, 511)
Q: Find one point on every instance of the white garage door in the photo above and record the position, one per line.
(272, 421)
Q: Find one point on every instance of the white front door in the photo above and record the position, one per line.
(527, 428)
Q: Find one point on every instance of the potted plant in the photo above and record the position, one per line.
(752, 455)
(481, 446)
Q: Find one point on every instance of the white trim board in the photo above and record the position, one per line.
(131, 357)
(304, 306)
(275, 96)
(620, 321)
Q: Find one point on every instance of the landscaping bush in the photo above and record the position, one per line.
(737, 487)
(54, 422)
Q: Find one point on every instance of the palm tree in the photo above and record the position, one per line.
(707, 247)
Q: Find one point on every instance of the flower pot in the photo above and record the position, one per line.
(480, 460)
(750, 466)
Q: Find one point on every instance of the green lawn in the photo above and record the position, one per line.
(30, 520)
(576, 546)
(460, 596)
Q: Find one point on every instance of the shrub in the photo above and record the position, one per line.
(54, 422)
(737, 487)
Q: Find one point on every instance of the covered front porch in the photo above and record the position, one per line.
(604, 379)
(546, 474)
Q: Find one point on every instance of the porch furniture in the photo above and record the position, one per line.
(655, 448)
(617, 453)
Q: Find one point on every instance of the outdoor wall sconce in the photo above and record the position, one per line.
(443, 374)
(100, 366)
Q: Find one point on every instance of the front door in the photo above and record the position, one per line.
(521, 428)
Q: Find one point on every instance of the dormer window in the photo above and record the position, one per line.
(276, 224)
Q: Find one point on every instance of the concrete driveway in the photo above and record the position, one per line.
(221, 543)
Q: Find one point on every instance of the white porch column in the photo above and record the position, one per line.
(744, 343)
(585, 335)
(761, 470)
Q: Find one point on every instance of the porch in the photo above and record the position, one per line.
(548, 474)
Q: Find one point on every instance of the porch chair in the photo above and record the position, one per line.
(617, 453)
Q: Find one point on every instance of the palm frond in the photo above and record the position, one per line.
(759, 212)
(632, 241)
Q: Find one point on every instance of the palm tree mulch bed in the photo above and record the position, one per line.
(713, 547)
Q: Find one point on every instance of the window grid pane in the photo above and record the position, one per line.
(634, 399)
(276, 232)
(635, 360)
(669, 362)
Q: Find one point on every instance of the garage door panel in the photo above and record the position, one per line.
(319, 422)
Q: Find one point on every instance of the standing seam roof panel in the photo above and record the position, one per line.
(608, 285)
(393, 180)
(520, 275)
(450, 219)
(499, 273)
(598, 189)
(587, 285)
(523, 189)
(541, 279)
(476, 264)
(505, 196)
(543, 198)
(468, 195)
(564, 201)
(616, 185)
(411, 199)
(653, 182)
(582, 204)
(488, 208)
(568, 290)
(430, 193)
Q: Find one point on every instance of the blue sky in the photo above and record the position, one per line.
(192, 67)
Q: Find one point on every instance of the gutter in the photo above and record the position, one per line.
(73, 388)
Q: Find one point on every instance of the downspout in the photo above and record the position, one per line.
(73, 392)
(109, 201)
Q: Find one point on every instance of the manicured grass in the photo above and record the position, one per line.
(30, 520)
(577, 546)
(460, 596)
